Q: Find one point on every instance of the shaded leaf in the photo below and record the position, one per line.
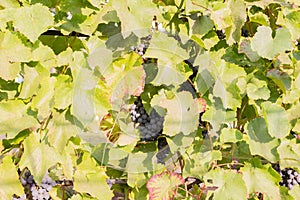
(260, 142)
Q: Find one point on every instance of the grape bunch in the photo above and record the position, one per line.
(150, 126)
(289, 178)
(32, 191)
(221, 34)
(143, 46)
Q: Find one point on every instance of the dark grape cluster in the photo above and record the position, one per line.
(245, 33)
(34, 192)
(221, 34)
(289, 178)
(143, 46)
(150, 126)
(163, 150)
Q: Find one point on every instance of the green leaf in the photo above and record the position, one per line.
(99, 55)
(60, 130)
(230, 184)
(14, 117)
(295, 192)
(133, 18)
(268, 47)
(238, 15)
(199, 159)
(164, 185)
(63, 92)
(202, 25)
(230, 135)
(204, 81)
(89, 178)
(83, 97)
(130, 83)
(217, 116)
(166, 49)
(43, 101)
(257, 88)
(182, 112)
(39, 18)
(10, 183)
(12, 51)
(259, 18)
(260, 179)
(260, 142)
(38, 157)
(276, 119)
(32, 80)
(140, 162)
(282, 79)
(289, 151)
(292, 23)
(245, 47)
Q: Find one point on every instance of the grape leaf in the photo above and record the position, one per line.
(182, 112)
(99, 55)
(276, 119)
(166, 49)
(89, 178)
(38, 157)
(32, 80)
(84, 96)
(131, 83)
(282, 79)
(202, 25)
(10, 183)
(230, 184)
(12, 51)
(63, 91)
(14, 117)
(268, 47)
(164, 185)
(260, 142)
(238, 15)
(43, 101)
(289, 152)
(39, 18)
(60, 130)
(133, 18)
(245, 47)
(259, 179)
(230, 135)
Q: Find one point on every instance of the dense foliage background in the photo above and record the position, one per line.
(225, 75)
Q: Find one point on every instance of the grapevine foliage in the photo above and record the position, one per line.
(152, 99)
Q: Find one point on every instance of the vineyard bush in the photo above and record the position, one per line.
(149, 99)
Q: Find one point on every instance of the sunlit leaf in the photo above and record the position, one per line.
(14, 117)
(230, 184)
(164, 185)
(89, 178)
(39, 18)
(276, 119)
(38, 157)
(268, 47)
(10, 183)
